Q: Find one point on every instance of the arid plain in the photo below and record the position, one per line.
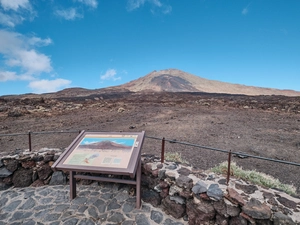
(260, 125)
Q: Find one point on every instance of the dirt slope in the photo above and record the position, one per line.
(173, 80)
(267, 126)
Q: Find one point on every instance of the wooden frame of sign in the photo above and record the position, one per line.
(114, 153)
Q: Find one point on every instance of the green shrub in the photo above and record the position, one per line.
(175, 157)
(254, 177)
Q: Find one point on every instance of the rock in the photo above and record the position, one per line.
(248, 218)
(162, 174)
(171, 167)
(257, 210)
(155, 173)
(22, 177)
(170, 174)
(4, 186)
(178, 199)
(222, 181)
(267, 195)
(37, 183)
(48, 158)
(7, 180)
(16, 112)
(28, 164)
(141, 219)
(221, 220)
(163, 184)
(211, 177)
(221, 208)
(200, 187)
(235, 197)
(173, 208)
(287, 203)
(4, 172)
(272, 201)
(11, 164)
(281, 219)
(200, 213)
(204, 196)
(174, 189)
(184, 171)
(248, 189)
(157, 188)
(156, 216)
(238, 221)
(215, 192)
(58, 178)
(164, 192)
(184, 182)
(186, 194)
(116, 217)
(232, 209)
(44, 172)
(151, 197)
(1, 163)
(150, 181)
(121, 110)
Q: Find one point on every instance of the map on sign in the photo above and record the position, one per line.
(103, 151)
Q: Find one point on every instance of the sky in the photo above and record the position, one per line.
(50, 45)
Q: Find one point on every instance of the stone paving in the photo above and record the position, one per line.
(106, 204)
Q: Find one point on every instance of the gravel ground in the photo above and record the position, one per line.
(267, 126)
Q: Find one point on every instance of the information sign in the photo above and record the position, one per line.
(116, 153)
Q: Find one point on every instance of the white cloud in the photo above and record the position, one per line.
(20, 51)
(42, 86)
(135, 4)
(30, 60)
(110, 75)
(91, 3)
(69, 14)
(39, 42)
(167, 9)
(245, 10)
(15, 4)
(7, 75)
(14, 12)
(10, 20)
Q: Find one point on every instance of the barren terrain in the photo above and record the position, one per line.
(267, 126)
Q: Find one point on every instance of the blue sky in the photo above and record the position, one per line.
(123, 141)
(49, 45)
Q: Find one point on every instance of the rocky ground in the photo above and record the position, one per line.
(267, 126)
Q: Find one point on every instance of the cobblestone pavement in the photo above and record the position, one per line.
(95, 204)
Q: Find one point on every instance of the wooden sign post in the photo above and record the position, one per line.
(115, 153)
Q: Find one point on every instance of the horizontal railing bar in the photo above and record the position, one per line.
(53, 132)
(226, 151)
(16, 134)
(172, 141)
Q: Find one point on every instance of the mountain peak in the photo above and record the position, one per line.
(174, 80)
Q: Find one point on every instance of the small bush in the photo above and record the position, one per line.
(174, 157)
(254, 177)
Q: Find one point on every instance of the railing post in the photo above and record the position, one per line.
(162, 158)
(29, 140)
(228, 169)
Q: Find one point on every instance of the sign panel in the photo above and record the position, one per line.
(103, 150)
(110, 153)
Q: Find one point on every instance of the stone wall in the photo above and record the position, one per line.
(182, 191)
(204, 198)
(25, 168)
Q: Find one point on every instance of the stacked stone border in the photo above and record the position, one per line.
(180, 190)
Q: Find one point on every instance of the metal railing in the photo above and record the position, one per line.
(163, 140)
